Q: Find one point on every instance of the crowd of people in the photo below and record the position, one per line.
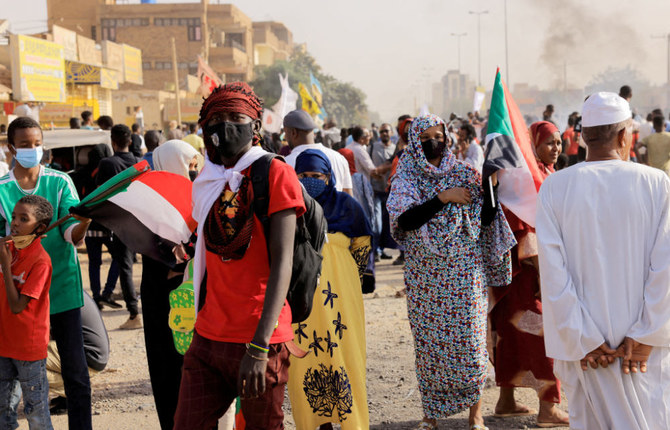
(576, 300)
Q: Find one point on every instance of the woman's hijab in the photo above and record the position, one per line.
(342, 211)
(418, 181)
(175, 156)
(539, 132)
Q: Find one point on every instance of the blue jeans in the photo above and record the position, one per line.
(379, 203)
(66, 331)
(29, 377)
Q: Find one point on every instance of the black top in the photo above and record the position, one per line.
(135, 147)
(113, 165)
(415, 217)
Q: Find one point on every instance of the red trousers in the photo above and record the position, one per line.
(209, 386)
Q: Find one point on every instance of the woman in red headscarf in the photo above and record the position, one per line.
(516, 315)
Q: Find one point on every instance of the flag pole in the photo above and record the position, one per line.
(57, 223)
(493, 200)
(176, 80)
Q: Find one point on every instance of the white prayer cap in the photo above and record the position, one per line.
(604, 108)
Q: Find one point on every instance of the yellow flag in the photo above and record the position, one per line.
(309, 105)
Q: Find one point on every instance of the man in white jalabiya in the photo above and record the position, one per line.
(604, 248)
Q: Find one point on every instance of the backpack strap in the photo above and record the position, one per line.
(260, 181)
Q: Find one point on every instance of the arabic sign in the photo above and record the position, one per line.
(68, 39)
(132, 65)
(38, 69)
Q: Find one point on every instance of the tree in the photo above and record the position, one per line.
(646, 96)
(342, 101)
(613, 78)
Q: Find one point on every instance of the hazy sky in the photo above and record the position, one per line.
(394, 49)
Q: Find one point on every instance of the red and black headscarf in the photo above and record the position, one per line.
(231, 97)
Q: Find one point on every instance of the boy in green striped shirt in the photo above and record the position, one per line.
(24, 136)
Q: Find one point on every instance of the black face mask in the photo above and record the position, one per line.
(192, 174)
(228, 139)
(433, 148)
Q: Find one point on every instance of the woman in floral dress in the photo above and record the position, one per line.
(436, 206)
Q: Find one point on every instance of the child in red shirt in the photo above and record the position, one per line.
(24, 314)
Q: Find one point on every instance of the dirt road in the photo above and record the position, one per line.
(122, 393)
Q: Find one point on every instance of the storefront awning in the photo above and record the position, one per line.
(86, 74)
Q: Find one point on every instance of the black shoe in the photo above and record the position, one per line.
(98, 302)
(399, 261)
(385, 256)
(110, 302)
(376, 258)
(58, 406)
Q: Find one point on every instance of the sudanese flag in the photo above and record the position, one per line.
(149, 211)
(509, 152)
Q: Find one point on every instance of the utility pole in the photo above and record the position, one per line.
(667, 37)
(479, 42)
(509, 82)
(204, 29)
(458, 41)
(176, 80)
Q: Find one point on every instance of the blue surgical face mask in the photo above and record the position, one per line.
(313, 186)
(29, 157)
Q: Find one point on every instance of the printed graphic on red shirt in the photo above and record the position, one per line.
(236, 286)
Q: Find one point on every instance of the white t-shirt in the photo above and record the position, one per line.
(362, 158)
(337, 161)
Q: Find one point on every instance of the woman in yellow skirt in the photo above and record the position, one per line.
(328, 385)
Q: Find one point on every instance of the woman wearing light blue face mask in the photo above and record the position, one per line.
(337, 316)
(66, 293)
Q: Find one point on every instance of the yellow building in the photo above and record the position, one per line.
(220, 33)
(272, 42)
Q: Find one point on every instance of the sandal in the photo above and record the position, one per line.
(424, 425)
(478, 427)
(549, 425)
(516, 414)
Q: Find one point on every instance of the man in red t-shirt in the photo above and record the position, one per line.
(238, 347)
(24, 313)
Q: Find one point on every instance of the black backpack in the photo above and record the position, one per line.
(310, 234)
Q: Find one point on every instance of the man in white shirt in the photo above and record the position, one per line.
(299, 131)
(360, 146)
(603, 232)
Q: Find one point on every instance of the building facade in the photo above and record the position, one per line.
(221, 33)
(272, 42)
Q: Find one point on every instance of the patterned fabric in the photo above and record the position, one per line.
(230, 222)
(328, 385)
(449, 263)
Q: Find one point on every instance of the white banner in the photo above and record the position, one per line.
(288, 99)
